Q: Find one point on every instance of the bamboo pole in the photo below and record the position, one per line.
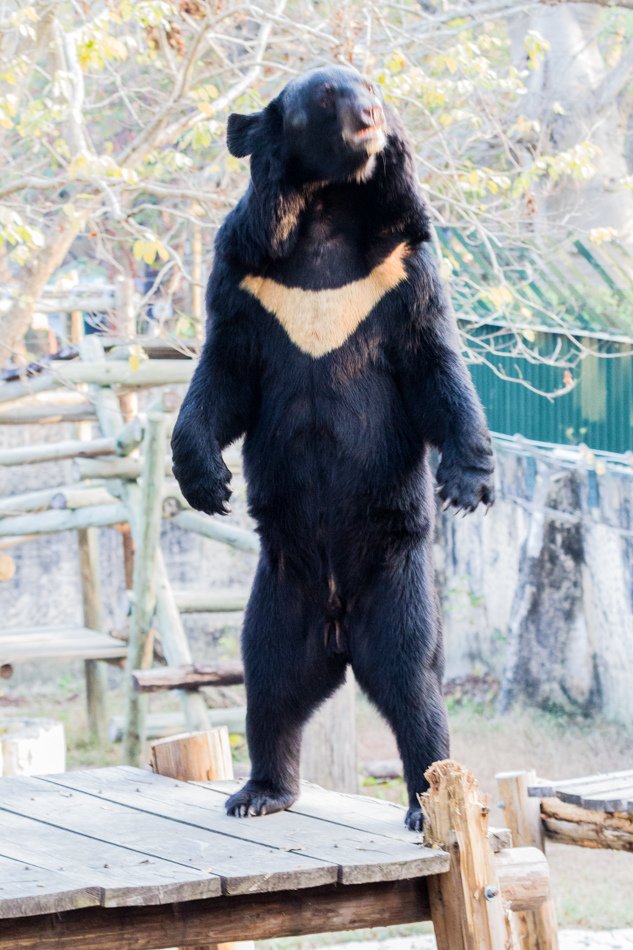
(73, 448)
(144, 605)
(466, 904)
(198, 757)
(217, 531)
(538, 929)
(51, 522)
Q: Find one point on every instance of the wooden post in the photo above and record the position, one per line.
(96, 676)
(144, 581)
(537, 928)
(328, 755)
(7, 567)
(466, 904)
(90, 573)
(197, 757)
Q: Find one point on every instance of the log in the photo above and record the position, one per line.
(44, 498)
(147, 546)
(118, 373)
(31, 746)
(82, 497)
(194, 757)
(42, 414)
(127, 469)
(466, 904)
(213, 528)
(172, 723)
(55, 451)
(51, 522)
(187, 677)
(211, 601)
(572, 824)
(538, 928)
(19, 389)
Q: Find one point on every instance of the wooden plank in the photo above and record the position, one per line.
(617, 799)
(547, 788)
(360, 812)
(89, 872)
(256, 916)
(27, 888)
(257, 868)
(187, 677)
(359, 856)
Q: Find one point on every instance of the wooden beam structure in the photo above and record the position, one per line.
(187, 677)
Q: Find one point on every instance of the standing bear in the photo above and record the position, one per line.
(331, 347)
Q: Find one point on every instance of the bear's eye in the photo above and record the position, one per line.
(326, 96)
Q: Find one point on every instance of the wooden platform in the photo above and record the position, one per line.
(595, 811)
(608, 792)
(86, 848)
(28, 644)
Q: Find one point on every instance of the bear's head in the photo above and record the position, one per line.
(327, 125)
(325, 128)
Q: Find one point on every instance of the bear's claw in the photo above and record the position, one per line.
(257, 799)
(414, 819)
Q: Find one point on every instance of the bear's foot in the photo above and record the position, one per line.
(256, 798)
(414, 819)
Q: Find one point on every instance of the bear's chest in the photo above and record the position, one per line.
(325, 292)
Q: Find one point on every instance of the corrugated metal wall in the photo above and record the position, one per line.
(598, 411)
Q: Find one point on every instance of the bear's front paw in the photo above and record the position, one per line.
(205, 491)
(464, 484)
(414, 819)
(256, 798)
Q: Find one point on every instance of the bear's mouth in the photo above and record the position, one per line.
(370, 137)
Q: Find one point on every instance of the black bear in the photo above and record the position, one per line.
(332, 349)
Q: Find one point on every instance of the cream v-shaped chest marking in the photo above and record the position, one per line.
(319, 321)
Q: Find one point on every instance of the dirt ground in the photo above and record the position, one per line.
(592, 888)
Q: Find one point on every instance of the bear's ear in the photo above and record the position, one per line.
(241, 131)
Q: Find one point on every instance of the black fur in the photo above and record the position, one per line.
(336, 447)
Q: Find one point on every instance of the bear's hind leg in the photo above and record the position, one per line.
(288, 674)
(397, 659)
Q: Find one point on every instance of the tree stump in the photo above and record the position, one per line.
(31, 746)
